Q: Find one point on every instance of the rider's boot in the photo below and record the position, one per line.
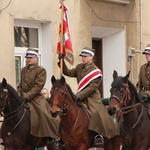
(99, 141)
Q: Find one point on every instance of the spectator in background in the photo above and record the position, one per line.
(46, 94)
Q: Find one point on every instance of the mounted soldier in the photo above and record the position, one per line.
(89, 78)
(33, 78)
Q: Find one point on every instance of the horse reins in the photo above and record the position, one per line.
(126, 109)
(64, 106)
(15, 112)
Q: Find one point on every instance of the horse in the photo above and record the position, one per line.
(74, 119)
(15, 129)
(127, 103)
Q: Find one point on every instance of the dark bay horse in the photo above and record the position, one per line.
(126, 102)
(15, 129)
(74, 120)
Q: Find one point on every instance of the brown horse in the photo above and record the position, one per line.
(15, 130)
(74, 119)
(125, 101)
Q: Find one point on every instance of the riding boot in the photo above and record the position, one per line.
(49, 139)
(99, 141)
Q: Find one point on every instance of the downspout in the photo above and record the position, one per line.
(139, 62)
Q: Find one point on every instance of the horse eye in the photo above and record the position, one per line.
(122, 89)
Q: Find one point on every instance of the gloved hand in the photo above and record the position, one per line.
(145, 97)
(60, 56)
(79, 103)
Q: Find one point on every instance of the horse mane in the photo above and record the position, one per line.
(59, 83)
(135, 90)
(74, 97)
(14, 94)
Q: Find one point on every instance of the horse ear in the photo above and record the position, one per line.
(126, 77)
(53, 79)
(4, 83)
(115, 74)
(63, 79)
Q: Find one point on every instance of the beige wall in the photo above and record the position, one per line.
(7, 67)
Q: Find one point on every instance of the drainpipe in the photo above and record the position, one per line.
(139, 62)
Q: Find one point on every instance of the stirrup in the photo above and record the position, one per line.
(99, 141)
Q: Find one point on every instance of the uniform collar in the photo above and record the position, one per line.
(31, 66)
(86, 66)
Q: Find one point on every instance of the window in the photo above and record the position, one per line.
(25, 35)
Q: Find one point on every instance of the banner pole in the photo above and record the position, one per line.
(61, 37)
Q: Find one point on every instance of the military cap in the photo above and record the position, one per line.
(87, 52)
(147, 49)
(31, 52)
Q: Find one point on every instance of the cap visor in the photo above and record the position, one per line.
(84, 54)
(146, 53)
(28, 56)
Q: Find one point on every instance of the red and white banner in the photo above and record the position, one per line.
(67, 45)
(89, 77)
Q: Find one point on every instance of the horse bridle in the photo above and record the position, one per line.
(126, 109)
(123, 101)
(13, 113)
(64, 106)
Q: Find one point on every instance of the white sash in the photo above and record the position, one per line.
(89, 77)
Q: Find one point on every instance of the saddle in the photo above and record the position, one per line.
(86, 108)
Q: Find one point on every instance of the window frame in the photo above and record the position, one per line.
(20, 51)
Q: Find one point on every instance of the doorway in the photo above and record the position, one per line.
(97, 45)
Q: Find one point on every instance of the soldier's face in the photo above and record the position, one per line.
(31, 60)
(147, 57)
(87, 59)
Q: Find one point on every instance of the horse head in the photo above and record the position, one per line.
(58, 96)
(120, 93)
(3, 95)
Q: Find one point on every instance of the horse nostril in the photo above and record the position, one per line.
(111, 111)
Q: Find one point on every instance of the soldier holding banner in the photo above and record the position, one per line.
(89, 78)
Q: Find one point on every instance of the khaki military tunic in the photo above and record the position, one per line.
(144, 79)
(33, 78)
(100, 122)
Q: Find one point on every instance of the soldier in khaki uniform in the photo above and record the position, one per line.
(89, 78)
(143, 84)
(33, 78)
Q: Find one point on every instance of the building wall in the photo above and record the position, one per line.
(132, 19)
(7, 60)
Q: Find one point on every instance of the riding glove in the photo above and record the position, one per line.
(145, 97)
